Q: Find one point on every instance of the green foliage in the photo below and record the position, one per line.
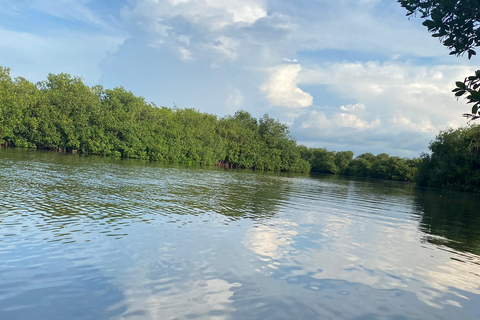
(343, 160)
(469, 87)
(366, 165)
(454, 160)
(322, 161)
(63, 114)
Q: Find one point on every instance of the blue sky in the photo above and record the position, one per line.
(344, 74)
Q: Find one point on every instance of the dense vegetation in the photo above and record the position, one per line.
(63, 114)
(454, 161)
(381, 166)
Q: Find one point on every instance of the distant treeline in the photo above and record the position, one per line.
(63, 114)
(368, 165)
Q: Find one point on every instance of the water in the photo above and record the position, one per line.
(98, 238)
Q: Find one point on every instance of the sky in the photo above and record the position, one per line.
(343, 74)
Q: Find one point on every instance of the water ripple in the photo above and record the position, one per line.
(86, 237)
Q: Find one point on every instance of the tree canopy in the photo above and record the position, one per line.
(63, 114)
(454, 161)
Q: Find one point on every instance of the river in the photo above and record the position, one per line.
(85, 237)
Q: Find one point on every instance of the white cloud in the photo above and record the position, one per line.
(352, 121)
(353, 107)
(395, 91)
(185, 54)
(282, 90)
(254, 34)
(210, 14)
(207, 28)
(318, 120)
(226, 47)
(424, 126)
(399, 107)
(234, 100)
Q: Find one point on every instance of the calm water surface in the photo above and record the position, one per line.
(97, 238)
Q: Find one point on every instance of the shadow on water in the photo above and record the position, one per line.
(449, 218)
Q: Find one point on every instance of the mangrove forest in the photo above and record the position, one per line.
(63, 114)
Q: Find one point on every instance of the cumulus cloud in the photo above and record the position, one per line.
(352, 121)
(163, 19)
(213, 14)
(258, 36)
(395, 91)
(279, 29)
(212, 30)
(392, 100)
(282, 90)
(318, 120)
(424, 126)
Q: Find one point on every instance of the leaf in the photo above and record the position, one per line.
(448, 43)
(429, 24)
(460, 93)
(474, 109)
(437, 15)
(471, 53)
(460, 84)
